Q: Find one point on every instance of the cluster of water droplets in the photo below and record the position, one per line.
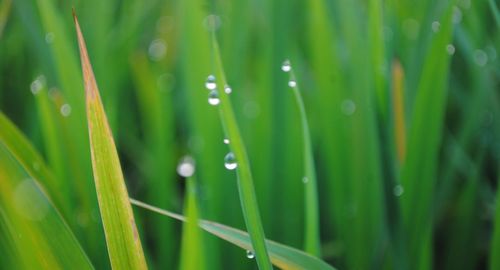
(213, 95)
(287, 68)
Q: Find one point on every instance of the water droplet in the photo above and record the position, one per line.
(29, 200)
(435, 26)
(250, 254)
(37, 84)
(348, 107)
(227, 89)
(226, 141)
(65, 110)
(457, 15)
(450, 49)
(480, 58)
(210, 83)
(230, 161)
(286, 66)
(186, 167)
(49, 37)
(213, 98)
(398, 190)
(157, 49)
(212, 22)
(305, 180)
(292, 83)
(411, 28)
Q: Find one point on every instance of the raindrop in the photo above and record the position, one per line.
(186, 167)
(398, 190)
(65, 110)
(348, 107)
(213, 98)
(36, 166)
(292, 83)
(450, 49)
(226, 141)
(227, 89)
(157, 49)
(49, 37)
(250, 254)
(480, 58)
(210, 83)
(212, 22)
(37, 84)
(29, 200)
(286, 67)
(457, 15)
(230, 161)
(435, 26)
(305, 180)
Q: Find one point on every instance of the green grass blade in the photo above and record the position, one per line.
(34, 231)
(419, 171)
(282, 256)
(122, 238)
(312, 241)
(192, 244)
(20, 147)
(245, 182)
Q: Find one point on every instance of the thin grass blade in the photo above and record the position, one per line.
(312, 243)
(282, 256)
(246, 188)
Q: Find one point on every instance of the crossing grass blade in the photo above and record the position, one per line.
(282, 256)
(122, 238)
(246, 188)
(495, 246)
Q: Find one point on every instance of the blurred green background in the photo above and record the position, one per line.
(402, 99)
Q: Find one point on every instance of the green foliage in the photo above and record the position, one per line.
(400, 143)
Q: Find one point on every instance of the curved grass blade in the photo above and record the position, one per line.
(122, 238)
(246, 188)
(282, 256)
(31, 228)
(312, 239)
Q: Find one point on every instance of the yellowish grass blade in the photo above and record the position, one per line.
(122, 238)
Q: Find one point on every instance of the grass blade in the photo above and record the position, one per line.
(122, 238)
(245, 182)
(311, 231)
(192, 244)
(32, 228)
(282, 256)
